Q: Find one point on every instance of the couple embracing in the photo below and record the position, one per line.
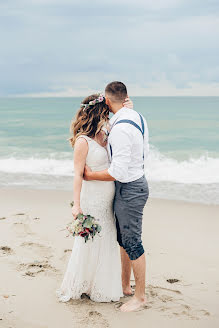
(110, 185)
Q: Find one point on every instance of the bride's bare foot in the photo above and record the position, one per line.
(127, 291)
(134, 304)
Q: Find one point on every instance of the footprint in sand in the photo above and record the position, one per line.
(94, 319)
(120, 303)
(24, 214)
(66, 254)
(173, 281)
(67, 250)
(5, 250)
(36, 249)
(36, 267)
(171, 303)
(22, 229)
(205, 313)
(85, 314)
(21, 224)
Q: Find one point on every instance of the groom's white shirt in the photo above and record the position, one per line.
(127, 146)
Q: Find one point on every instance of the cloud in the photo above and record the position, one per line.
(157, 89)
(72, 47)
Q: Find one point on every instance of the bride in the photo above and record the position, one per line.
(94, 267)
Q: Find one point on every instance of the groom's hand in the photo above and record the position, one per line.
(87, 173)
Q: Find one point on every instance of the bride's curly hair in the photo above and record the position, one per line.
(90, 119)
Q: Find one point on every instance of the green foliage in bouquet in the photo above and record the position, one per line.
(84, 225)
(72, 204)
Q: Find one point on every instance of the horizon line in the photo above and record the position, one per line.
(176, 96)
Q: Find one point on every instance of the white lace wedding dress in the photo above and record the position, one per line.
(94, 267)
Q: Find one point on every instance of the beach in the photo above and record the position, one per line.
(181, 245)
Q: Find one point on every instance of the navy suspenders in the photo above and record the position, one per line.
(141, 129)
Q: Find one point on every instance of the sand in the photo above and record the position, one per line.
(181, 243)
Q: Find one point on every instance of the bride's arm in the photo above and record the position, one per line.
(80, 154)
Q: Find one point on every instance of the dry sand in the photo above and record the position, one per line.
(181, 242)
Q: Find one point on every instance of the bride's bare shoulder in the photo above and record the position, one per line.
(83, 138)
(81, 142)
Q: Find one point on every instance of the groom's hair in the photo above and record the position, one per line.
(116, 91)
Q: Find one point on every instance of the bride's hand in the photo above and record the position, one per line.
(128, 103)
(76, 210)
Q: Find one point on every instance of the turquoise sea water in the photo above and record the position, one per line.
(184, 138)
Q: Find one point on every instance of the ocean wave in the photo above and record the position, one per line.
(32, 165)
(203, 170)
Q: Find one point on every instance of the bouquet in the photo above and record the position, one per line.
(85, 226)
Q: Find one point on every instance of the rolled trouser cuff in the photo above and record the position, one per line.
(134, 251)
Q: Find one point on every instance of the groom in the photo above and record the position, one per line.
(128, 147)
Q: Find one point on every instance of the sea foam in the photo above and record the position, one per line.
(202, 170)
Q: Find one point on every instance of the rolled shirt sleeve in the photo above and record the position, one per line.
(121, 143)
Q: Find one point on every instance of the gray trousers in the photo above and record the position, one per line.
(130, 199)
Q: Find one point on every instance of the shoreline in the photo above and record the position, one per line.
(180, 241)
(67, 191)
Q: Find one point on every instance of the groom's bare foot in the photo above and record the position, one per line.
(134, 304)
(127, 291)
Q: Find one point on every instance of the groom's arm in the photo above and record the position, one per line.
(99, 175)
(121, 142)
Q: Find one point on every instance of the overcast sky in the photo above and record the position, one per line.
(75, 47)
